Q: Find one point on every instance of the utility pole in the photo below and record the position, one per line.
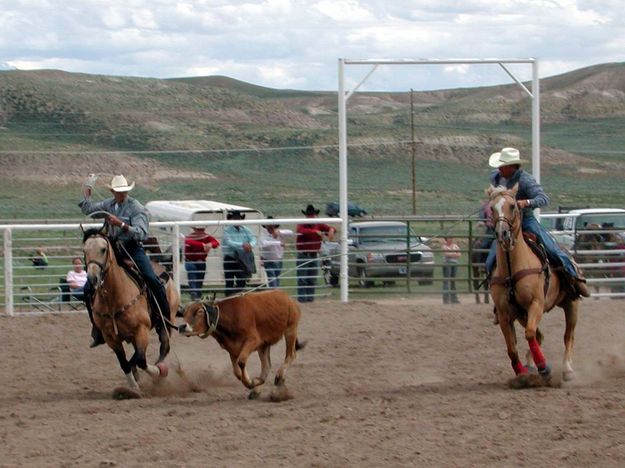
(414, 152)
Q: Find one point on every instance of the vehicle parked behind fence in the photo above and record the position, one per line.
(378, 251)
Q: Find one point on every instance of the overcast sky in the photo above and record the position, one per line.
(296, 43)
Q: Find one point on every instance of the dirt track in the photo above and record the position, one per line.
(394, 383)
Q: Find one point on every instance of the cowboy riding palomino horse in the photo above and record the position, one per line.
(523, 288)
(120, 310)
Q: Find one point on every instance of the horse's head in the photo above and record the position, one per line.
(98, 254)
(506, 215)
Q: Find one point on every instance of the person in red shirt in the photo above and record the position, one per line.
(197, 244)
(308, 243)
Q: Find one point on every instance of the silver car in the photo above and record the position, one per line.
(378, 251)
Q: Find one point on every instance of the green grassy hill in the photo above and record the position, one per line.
(223, 139)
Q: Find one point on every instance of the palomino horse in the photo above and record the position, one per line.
(523, 290)
(120, 309)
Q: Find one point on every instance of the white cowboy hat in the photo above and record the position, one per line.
(120, 184)
(506, 157)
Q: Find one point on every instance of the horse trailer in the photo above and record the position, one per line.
(204, 210)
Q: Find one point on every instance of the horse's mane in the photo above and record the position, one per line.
(91, 232)
(494, 192)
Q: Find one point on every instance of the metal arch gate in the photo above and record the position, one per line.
(534, 94)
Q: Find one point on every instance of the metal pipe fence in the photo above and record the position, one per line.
(415, 267)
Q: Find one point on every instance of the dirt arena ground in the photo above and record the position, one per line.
(401, 382)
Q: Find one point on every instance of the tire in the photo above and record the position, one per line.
(334, 280)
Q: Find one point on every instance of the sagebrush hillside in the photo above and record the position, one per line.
(223, 139)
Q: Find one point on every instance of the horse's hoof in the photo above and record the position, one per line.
(125, 393)
(254, 394)
(567, 376)
(163, 369)
(545, 373)
(279, 380)
(526, 381)
(280, 393)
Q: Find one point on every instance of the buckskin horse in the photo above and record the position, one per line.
(120, 310)
(523, 289)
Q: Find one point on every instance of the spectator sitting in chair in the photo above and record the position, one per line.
(76, 279)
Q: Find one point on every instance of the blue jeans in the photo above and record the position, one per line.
(556, 255)
(449, 283)
(196, 270)
(273, 269)
(234, 276)
(307, 271)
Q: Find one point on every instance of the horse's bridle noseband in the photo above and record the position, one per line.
(512, 228)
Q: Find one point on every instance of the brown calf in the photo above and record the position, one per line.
(247, 323)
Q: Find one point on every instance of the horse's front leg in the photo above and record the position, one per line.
(534, 314)
(141, 345)
(509, 335)
(126, 367)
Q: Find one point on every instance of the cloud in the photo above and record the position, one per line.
(296, 43)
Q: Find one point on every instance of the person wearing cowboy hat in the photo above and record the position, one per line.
(197, 245)
(507, 172)
(237, 246)
(308, 244)
(127, 221)
(271, 241)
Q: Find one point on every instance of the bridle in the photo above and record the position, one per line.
(504, 237)
(104, 266)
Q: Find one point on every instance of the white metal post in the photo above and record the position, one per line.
(535, 122)
(175, 255)
(343, 278)
(8, 273)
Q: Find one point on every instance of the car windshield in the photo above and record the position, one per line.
(384, 235)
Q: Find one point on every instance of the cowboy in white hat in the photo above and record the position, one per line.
(530, 195)
(128, 223)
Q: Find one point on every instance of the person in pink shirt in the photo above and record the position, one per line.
(76, 278)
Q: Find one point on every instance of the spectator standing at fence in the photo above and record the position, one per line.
(451, 254)
(197, 245)
(272, 240)
(308, 244)
(237, 246)
(76, 279)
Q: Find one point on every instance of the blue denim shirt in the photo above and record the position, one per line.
(529, 189)
(130, 212)
(234, 239)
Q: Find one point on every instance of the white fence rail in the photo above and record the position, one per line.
(29, 289)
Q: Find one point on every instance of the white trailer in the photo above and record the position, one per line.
(204, 210)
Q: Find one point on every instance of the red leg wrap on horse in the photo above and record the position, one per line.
(519, 368)
(537, 354)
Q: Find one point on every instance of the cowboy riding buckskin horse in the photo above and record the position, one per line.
(127, 224)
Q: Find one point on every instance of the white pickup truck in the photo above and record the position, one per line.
(568, 227)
